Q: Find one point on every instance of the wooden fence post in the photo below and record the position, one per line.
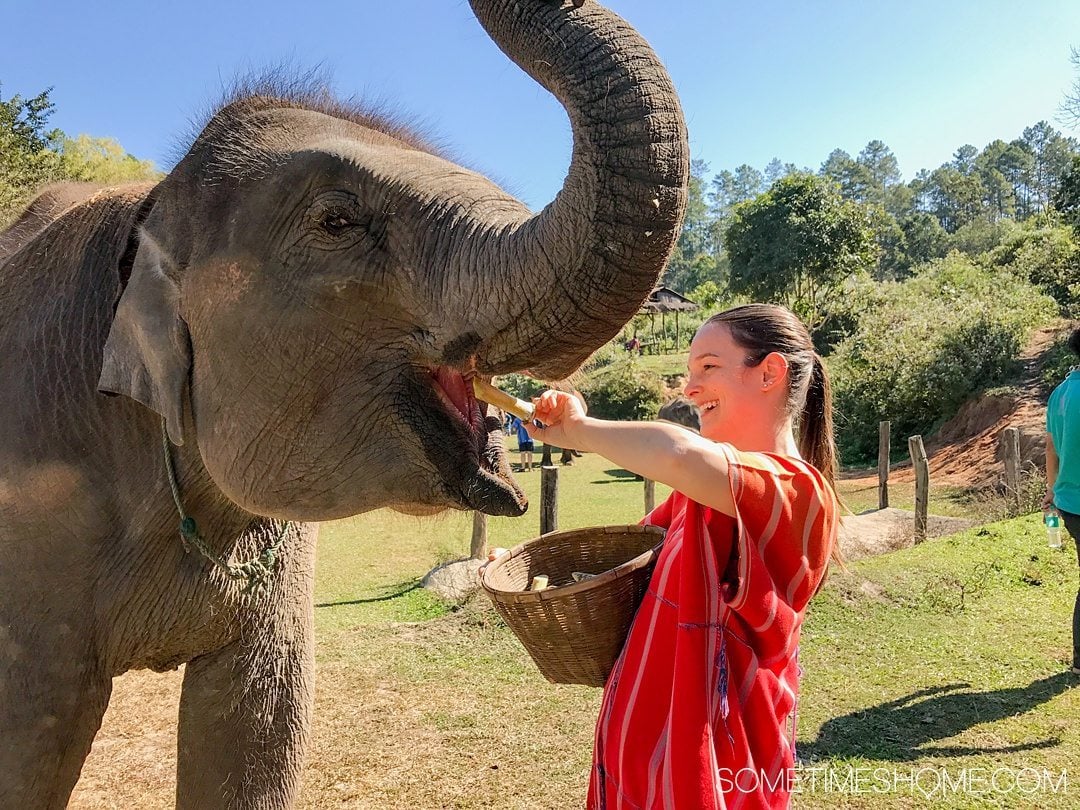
(1010, 440)
(922, 485)
(650, 495)
(549, 499)
(883, 449)
(478, 547)
(545, 460)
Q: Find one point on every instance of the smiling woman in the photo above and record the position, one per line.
(750, 528)
(300, 302)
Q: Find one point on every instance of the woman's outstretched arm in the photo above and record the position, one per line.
(671, 455)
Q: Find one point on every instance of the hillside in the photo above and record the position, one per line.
(965, 451)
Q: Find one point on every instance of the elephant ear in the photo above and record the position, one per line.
(148, 351)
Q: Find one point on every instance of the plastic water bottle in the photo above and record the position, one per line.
(1053, 528)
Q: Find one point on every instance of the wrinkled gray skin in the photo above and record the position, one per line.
(282, 300)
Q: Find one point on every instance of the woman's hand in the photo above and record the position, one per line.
(563, 418)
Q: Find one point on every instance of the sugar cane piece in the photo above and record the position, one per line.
(539, 582)
(495, 553)
(500, 399)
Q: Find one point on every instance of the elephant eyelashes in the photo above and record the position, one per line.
(336, 229)
(336, 224)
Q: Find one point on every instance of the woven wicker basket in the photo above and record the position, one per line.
(574, 631)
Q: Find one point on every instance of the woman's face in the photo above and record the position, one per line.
(730, 395)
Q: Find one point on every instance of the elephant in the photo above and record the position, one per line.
(281, 331)
(681, 411)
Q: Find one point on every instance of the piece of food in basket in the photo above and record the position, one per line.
(539, 582)
(581, 576)
(494, 553)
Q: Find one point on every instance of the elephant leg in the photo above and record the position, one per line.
(245, 713)
(53, 695)
(245, 709)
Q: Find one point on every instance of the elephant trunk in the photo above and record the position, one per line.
(577, 271)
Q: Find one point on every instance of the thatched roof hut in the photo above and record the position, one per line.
(665, 300)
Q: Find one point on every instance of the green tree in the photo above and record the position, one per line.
(953, 193)
(1052, 154)
(1066, 199)
(706, 295)
(694, 259)
(749, 182)
(797, 244)
(924, 239)
(882, 169)
(853, 178)
(1001, 167)
(28, 150)
(775, 169)
(102, 160)
(32, 155)
(893, 261)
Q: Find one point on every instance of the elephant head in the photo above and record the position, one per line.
(312, 287)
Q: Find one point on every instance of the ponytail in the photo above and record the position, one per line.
(816, 442)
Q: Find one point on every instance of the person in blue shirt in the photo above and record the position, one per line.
(1063, 467)
(525, 445)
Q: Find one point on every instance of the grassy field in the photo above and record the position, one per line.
(862, 495)
(666, 365)
(926, 662)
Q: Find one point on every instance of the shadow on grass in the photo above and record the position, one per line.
(899, 729)
(401, 589)
(617, 477)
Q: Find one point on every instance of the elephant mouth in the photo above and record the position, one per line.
(471, 459)
(455, 390)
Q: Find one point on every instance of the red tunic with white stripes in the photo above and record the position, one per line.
(699, 711)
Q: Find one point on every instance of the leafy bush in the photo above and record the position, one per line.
(926, 346)
(623, 391)
(1059, 361)
(1049, 257)
(842, 317)
(611, 382)
(979, 236)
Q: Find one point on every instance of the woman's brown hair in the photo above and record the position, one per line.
(765, 328)
(761, 329)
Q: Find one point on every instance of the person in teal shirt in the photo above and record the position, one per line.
(1063, 467)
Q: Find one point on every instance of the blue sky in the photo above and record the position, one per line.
(792, 79)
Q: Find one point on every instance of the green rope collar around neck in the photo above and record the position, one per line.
(256, 571)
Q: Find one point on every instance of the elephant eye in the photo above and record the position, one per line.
(335, 223)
